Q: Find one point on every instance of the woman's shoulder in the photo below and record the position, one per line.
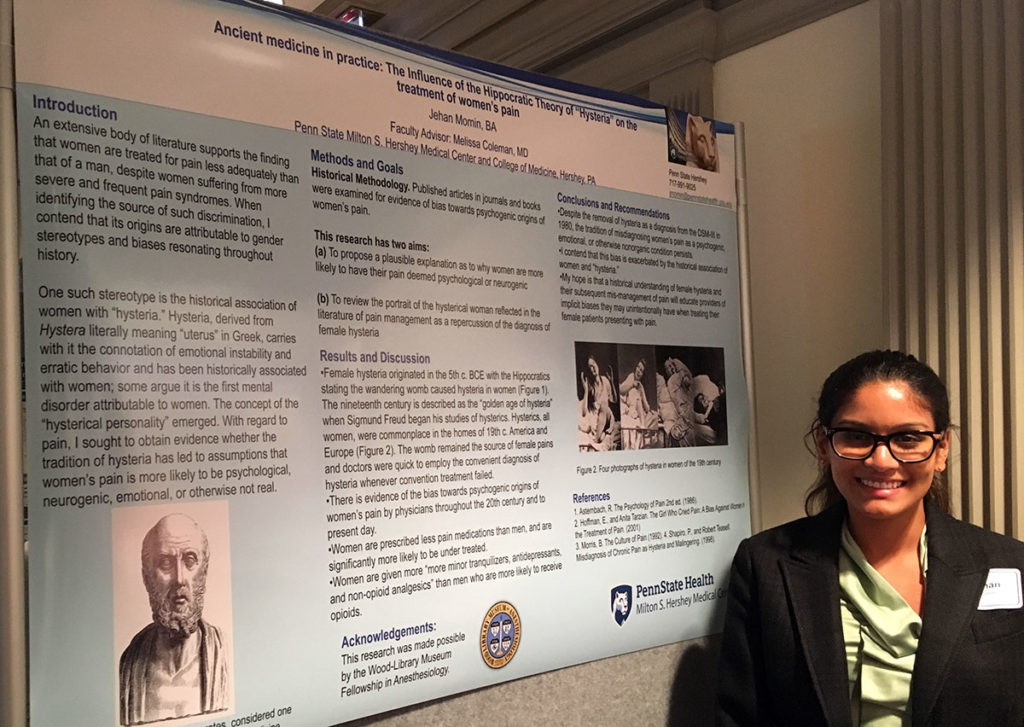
(815, 532)
(964, 536)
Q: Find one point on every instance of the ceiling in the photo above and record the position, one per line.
(536, 35)
(622, 45)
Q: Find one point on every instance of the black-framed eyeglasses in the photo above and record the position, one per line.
(907, 447)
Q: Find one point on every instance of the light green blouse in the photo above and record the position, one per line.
(880, 631)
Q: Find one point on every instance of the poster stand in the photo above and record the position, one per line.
(13, 655)
(747, 331)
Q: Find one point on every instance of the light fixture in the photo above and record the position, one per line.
(358, 16)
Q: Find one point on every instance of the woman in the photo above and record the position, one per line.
(880, 609)
(675, 403)
(596, 420)
(635, 406)
(707, 409)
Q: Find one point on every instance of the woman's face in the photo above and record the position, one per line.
(592, 365)
(638, 372)
(880, 487)
(686, 379)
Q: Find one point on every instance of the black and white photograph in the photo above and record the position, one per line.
(172, 613)
(597, 393)
(641, 422)
(647, 396)
(691, 395)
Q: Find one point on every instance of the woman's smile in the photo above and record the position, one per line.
(880, 486)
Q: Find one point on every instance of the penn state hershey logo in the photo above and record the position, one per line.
(499, 634)
(622, 603)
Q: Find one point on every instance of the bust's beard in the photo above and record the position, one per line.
(182, 621)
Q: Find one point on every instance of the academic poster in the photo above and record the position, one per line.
(358, 374)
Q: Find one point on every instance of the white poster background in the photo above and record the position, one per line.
(161, 67)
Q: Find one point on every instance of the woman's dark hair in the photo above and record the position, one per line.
(591, 386)
(844, 382)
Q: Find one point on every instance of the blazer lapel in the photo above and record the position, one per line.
(952, 591)
(811, 574)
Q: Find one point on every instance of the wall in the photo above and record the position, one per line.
(953, 168)
(810, 102)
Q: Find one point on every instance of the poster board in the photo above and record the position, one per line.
(433, 367)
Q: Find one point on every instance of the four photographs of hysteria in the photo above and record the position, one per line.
(643, 396)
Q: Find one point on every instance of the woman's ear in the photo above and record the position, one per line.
(821, 445)
(942, 452)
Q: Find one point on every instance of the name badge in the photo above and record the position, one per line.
(1002, 590)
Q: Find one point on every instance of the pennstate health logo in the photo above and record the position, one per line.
(622, 603)
(499, 634)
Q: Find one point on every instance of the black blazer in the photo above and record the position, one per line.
(783, 661)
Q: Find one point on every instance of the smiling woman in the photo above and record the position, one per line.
(879, 608)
